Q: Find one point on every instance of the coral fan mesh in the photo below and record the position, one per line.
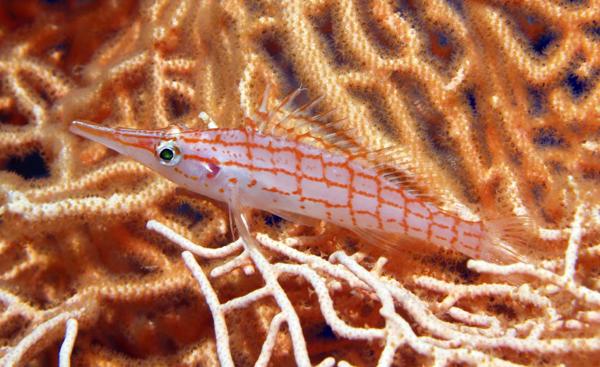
(495, 102)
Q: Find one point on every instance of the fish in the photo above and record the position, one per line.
(282, 174)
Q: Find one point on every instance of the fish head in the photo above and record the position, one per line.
(165, 151)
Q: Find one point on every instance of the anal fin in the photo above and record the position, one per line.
(389, 243)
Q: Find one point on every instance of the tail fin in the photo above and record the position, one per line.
(506, 240)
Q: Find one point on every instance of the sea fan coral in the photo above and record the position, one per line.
(496, 102)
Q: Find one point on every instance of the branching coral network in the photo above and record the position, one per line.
(471, 337)
(495, 102)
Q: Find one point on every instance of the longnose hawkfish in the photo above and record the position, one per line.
(285, 175)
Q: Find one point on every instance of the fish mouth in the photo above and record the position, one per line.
(91, 131)
(112, 138)
(106, 136)
(123, 140)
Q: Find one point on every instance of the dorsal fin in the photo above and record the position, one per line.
(300, 124)
(391, 163)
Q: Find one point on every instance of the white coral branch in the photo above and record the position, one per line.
(64, 355)
(16, 354)
(221, 333)
(470, 341)
(472, 337)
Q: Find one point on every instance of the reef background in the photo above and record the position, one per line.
(496, 102)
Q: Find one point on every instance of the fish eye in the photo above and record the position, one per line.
(168, 153)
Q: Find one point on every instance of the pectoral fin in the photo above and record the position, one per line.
(296, 218)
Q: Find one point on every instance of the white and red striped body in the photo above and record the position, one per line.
(283, 175)
(279, 174)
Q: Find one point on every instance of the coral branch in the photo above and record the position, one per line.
(190, 246)
(479, 331)
(221, 333)
(42, 331)
(64, 355)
